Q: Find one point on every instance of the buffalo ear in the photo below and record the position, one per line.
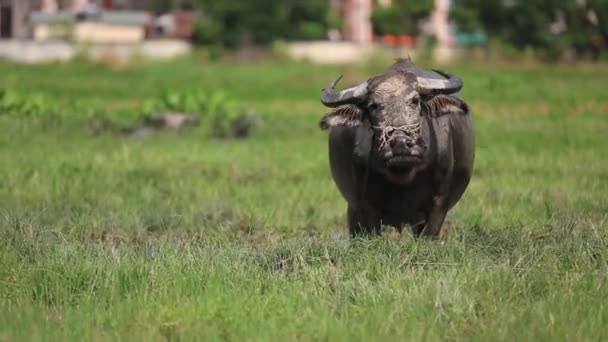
(440, 105)
(347, 116)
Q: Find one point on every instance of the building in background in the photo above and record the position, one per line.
(14, 18)
(355, 40)
(356, 16)
(356, 19)
(440, 23)
(102, 21)
(357, 25)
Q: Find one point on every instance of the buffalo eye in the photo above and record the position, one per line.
(373, 106)
(416, 101)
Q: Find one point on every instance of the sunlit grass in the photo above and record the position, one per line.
(180, 236)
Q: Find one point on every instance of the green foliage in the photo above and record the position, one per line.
(221, 113)
(467, 18)
(388, 20)
(160, 6)
(527, 24)
(334, 21)
(21, 104)
(400, 18)
(236, 23)
(310, 30)
(197, 101)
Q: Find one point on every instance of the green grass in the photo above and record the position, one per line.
(180, 236)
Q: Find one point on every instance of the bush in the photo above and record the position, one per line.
(310, 30)
(236, 23)
(388, 20)
(223, 114)
(400, 18)
(23, 104)
(532, 24)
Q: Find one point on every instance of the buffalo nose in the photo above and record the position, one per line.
(402, 140)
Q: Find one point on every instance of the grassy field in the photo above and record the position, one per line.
(186, 237)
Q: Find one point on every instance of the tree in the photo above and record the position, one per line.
(160, 6)
(401, 17)
(234, 23)
(529, 23)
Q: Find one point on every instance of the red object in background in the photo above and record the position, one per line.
(405, 40)
(396, 40)
(184, 23)
(389, 39)
(106, 4)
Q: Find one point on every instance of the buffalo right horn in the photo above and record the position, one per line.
(452, 84)
(354, 94)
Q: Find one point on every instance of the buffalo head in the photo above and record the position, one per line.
(395, 105)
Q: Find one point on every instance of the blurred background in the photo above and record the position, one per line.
(320, 30)
(163, 175)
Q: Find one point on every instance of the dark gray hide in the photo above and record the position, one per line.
(401, 148)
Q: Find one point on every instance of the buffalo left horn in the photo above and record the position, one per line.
(333, 99)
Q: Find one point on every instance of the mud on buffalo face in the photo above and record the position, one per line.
(394, 104)
(394, 112)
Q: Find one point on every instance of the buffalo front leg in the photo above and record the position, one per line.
(363, 222)
(436, 217)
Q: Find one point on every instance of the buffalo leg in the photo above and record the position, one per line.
(421, 220)
(418, 228)
(362, 222)
(436, 216)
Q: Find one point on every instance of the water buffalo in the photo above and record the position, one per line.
(401, 148)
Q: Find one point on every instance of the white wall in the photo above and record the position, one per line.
(53, 51)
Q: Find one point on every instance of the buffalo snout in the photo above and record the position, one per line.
(404, 144)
